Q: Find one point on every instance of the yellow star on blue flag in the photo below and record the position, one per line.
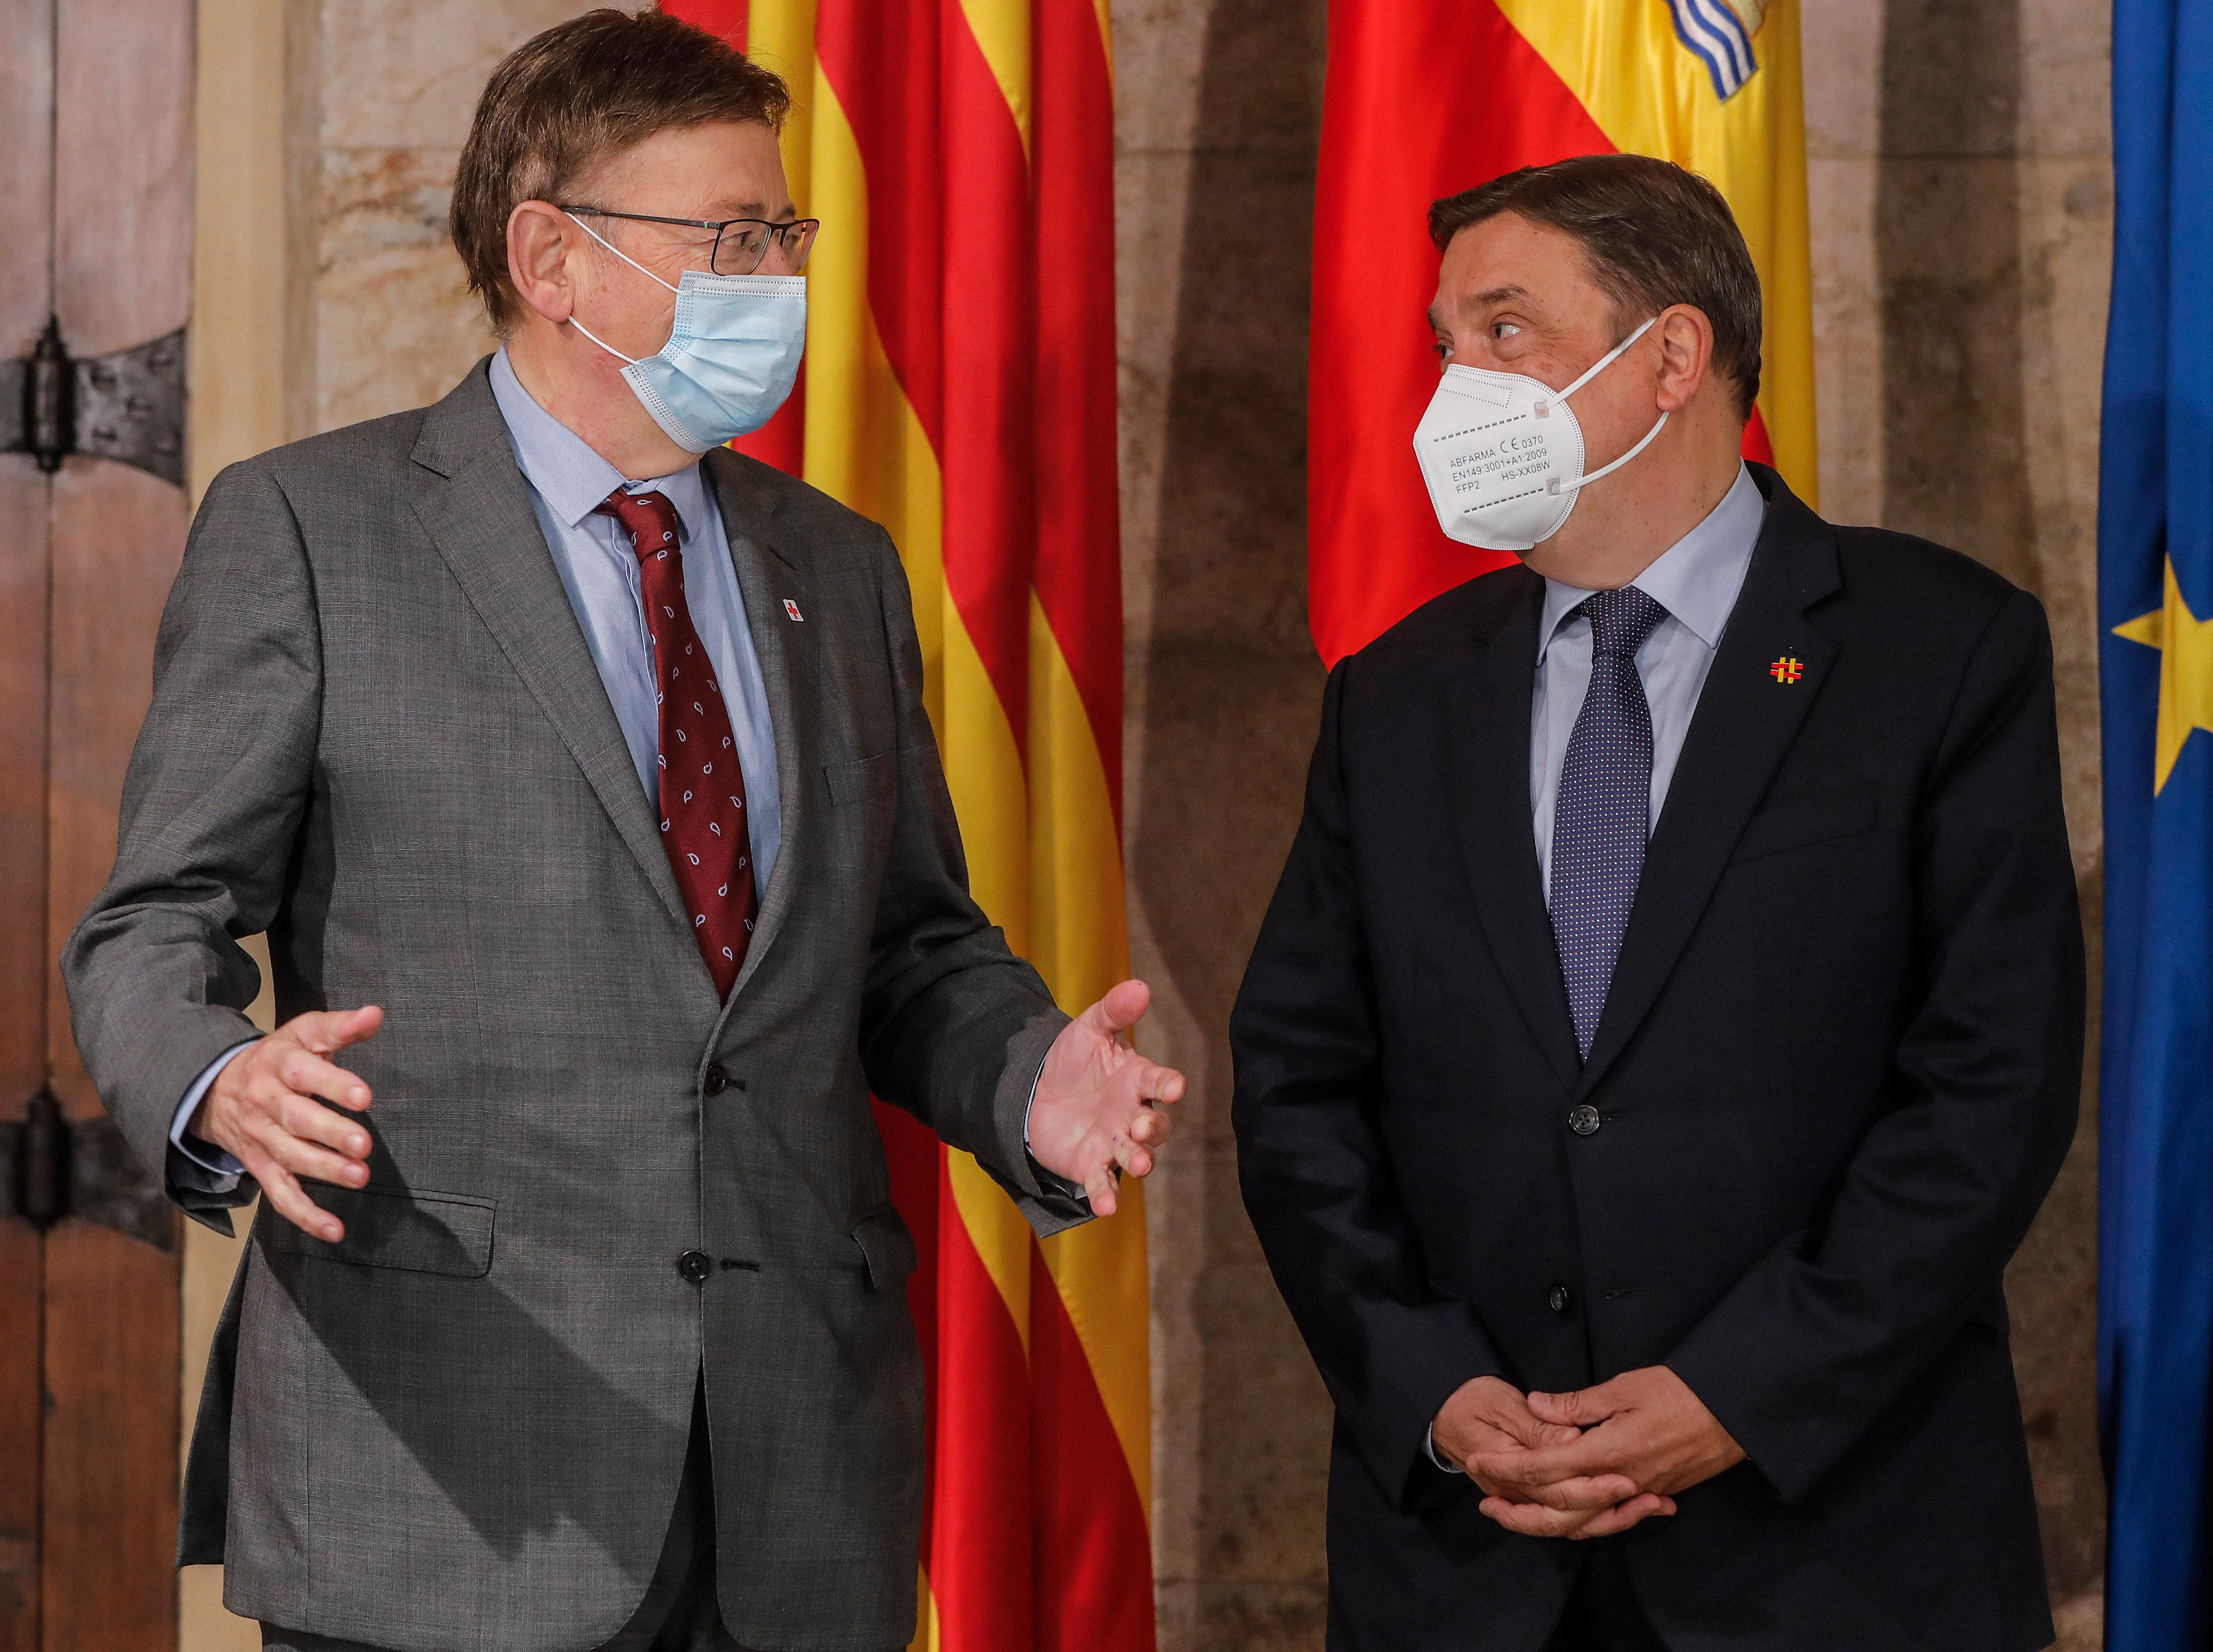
(2185, 673)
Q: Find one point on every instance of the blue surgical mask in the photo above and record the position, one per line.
(731, 359)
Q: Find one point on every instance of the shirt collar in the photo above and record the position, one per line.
(1696, 579)
(571, 477)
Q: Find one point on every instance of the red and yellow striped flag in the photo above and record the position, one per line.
(960, 389)
(1426, 98)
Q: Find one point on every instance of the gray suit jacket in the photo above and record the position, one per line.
(377, 734)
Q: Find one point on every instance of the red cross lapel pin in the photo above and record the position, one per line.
(792, 608)
(1786, 670)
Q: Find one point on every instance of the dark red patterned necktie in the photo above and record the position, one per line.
(702, 785)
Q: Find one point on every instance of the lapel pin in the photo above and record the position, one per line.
(1785, 670)
(792, 608)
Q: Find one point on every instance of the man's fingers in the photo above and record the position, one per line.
(283, 1189)
(1585, 1455)
(1121, 1009)
(324, 1030)
(308, 1073)
(1135, 1157)
(1100, 1190)
(310, 1120)
(1147, 1081)
(1535, 1519)
(304, 1157)
(1578, 1409)
(1593, 1491)
(1623, 1515)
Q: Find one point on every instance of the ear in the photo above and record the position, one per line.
(1686, 350)
(541, 238)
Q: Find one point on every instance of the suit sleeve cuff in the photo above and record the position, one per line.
(1430, 1450)
(219, 1171)
(1049, 1204)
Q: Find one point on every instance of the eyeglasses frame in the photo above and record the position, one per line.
(777, 232)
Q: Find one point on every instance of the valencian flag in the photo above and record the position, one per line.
(958, 388)
(1426, 98)
(2155, 613)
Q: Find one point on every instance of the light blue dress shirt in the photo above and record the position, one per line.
(1696, 580)
(567, 481)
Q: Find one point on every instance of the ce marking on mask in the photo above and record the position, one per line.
(1509, 458)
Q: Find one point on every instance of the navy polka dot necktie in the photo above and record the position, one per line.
(703, 789)
(1604, 813)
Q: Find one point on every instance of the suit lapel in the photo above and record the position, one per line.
(1745, 723)
(763, 552)
(1487, 766)
(476, 506)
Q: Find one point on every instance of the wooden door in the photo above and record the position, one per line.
(96, 226)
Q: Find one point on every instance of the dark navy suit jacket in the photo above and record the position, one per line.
(1838, 1067)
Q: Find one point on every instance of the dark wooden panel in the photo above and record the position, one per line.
(23, 984)
(22, 1344)
(111, 1446)
(26, 187)
(118, 537)
(122, 260)
(123, 171)
(123, 71)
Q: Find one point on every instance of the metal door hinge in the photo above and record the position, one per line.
(129, 406)
(51, 1167)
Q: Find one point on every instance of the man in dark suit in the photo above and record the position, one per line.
(1670, 1017)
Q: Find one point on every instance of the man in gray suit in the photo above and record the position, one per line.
(599, 835)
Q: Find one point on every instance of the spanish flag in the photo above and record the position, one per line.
(1426, 98)
(960, 389)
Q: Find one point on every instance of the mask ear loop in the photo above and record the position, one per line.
(1543, 408)
(632, 361)
(1556, 485)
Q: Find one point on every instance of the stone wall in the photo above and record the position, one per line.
(1962, 205)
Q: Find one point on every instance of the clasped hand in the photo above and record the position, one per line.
(1586, 1464)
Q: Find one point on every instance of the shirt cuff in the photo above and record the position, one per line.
(1030, 1106)
(223, 1169)
(1429, 1449)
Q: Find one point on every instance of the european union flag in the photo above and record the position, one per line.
(2155, 604)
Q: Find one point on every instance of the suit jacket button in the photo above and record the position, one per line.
(1584, 1120)
(717, 1081)
(1561, 1298)
(695, 1266)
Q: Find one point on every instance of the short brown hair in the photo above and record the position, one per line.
(566, 99)
(1653, 234)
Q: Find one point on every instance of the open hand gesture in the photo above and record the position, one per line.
(1096, 1111)
(265, 1109)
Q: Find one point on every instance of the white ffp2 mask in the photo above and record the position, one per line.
(1503, 453)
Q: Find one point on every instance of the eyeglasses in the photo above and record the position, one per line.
(741, 244)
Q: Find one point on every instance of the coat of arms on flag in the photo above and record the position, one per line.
(1719, 32)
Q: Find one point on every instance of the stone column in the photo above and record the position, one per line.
(1219, 106)
(1992, 235)
(383, 92)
